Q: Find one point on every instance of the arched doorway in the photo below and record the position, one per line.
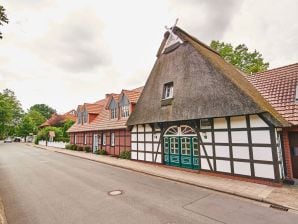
(181, 147)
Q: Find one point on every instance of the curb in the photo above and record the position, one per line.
(2, 213)
(262, 200)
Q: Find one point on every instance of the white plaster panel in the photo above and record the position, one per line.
(221, 137)
(133, 155)
(223, 166)
(239, 137)
(206, 137)
(222, 151)
(260, 137)
(256, 121)
(238, 122)
(140, 137)
(242, 168)
(148, 137)
(158, 158)
(241, 152)
(141, 156)
(220, 123)
(156, 137)
(141, 146)
(148, 128)
(134, 129)
(149, 157)
(140, 128)
(134, 146)
(155, 147)
(262, 153)
(205, 165)
(264, 170)
(208, 150)
(148, 147)
(133, 137)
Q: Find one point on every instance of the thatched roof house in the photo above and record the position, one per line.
(197, 111)
(205, 86)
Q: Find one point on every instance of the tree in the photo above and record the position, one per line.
(27, 127)
(10, 113)
(3, 18)
(44, 109)
(248, 62)
(36, 117)
(68, 123)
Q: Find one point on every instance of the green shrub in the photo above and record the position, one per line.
(36, 141)
(80, 148)
(73, 147)
(87, 149)
(68, 146)
(125, 154)
(101, 152)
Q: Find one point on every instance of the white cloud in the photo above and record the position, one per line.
(64, 53)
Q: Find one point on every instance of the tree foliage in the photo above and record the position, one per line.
(43, 134)
(44, 109)
(36, 117)
(27, 127)
(248, 62)
(10, 113)
(68, 123)
(3, 18)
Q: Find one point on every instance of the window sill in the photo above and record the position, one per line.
(166, 102)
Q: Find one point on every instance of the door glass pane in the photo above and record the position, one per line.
(174, 146)
(185, 146)
(195, 146)
(166, 145)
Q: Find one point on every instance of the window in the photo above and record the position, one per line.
(85, 139)
(205, 123)
(104, 139)
(113, 109)
(75, 139)
(112, 139)
(125, 111)
(85, 117)
(113, 113)
(296, 98)
(168, 90)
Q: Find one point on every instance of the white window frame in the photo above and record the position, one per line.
(75, 139)
(296, 97)
(125, 111)
(112, 139)
(168, 91)
(114, 113)
(104, 142)
(85, 139)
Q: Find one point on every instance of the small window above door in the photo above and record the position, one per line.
(168, 91)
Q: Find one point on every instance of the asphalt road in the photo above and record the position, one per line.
(38, 186)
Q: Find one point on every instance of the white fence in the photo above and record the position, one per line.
(53, 144)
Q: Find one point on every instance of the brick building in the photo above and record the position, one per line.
(102, 125)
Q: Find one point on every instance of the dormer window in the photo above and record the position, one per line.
(85, 117)
(113, 109)
(168, 90)
(124, 106)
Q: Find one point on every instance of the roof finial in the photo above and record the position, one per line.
(171, 28)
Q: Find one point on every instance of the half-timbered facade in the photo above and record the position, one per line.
(102, 125)
(279, 87)
(199, 112)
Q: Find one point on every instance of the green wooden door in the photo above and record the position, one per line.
(181, 151)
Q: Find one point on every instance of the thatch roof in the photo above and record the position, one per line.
(205, 86)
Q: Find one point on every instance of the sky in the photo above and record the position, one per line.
(65, 53)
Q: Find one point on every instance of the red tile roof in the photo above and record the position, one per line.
(103, 121)
(278, 87)
(56, 119)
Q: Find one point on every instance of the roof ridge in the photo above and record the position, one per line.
(278, 68)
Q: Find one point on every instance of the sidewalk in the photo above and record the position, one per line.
(286, 196)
